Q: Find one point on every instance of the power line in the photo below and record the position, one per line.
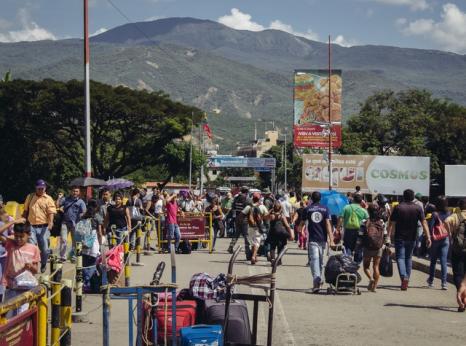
(132, 22)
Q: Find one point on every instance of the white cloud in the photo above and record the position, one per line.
(240, 21)
(413, 4)
(243, 21)
(449, 33)
(278, 25)
(29, 31)
(100, 31)
(342, 41)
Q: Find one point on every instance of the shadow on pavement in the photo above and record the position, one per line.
(440, 308)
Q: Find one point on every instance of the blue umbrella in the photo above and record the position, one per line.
(334, 201)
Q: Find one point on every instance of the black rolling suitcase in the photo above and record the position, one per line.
(239, 329)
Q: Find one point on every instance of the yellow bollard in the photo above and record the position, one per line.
(113, 239)
(138, 246)
(42, 321)
(56, 301)
(66, 312)
(126, 259)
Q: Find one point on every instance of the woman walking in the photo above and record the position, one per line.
(374, 236)
(217, 219)
(440, 241)
(280, 230)
(118, 217)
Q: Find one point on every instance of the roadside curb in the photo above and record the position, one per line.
(424, 264)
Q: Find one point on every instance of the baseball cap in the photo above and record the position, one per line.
(40, 183)
(418, 195)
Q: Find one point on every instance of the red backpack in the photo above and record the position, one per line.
(374, 235)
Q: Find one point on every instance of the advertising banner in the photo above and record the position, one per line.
(311, 107)
(243, 162)
(20, 330)
(455, 180)
(314, 136)
(389, 175)
(192, 227)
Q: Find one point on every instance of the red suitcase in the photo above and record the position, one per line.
(185, 317)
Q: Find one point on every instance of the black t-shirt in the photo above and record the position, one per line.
(407, 215)
(116, 216)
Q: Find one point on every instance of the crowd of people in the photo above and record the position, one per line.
(267, 222)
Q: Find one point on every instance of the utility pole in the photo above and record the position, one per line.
(87, 100)
(191, 153)
(330, 178)
(286, 173)
(201, 144)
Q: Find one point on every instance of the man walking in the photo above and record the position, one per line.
(172, 222)
(320, 231)
(39, 210)
(351, 218)
(73, 208)
(241, 223)
(403, 222)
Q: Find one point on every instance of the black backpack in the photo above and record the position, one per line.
(459, 240)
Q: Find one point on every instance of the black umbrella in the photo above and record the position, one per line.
(87, 181)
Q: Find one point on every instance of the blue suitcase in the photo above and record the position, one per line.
(202, 335)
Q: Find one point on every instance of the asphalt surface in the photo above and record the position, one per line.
(419, 316)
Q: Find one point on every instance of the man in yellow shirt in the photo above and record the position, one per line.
(39, 210)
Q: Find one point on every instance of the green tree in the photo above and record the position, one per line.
(41, 131)
(410, 123)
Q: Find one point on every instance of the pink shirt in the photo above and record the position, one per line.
(172, 210)
(17, 257)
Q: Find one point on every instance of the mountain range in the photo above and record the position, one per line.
(237, 76)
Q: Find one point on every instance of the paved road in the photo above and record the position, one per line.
(420, 316)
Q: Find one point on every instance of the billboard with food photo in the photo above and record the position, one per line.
(374, 174)
(311, 106)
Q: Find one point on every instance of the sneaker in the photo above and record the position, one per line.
(430, 283)
(404, 284)
(230, 249)
(444, 287)
(316, 289)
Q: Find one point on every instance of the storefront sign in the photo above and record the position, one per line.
(374, 174)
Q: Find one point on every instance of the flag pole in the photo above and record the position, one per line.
(191, 152)
(87, 106)
(329, 115)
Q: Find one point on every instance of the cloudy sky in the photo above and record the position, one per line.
(429, 24)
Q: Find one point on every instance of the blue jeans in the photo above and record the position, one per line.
(404, 253)
(350, 237)
(315, 252)
(65, 229)
(40, 237)
(439, 250)
(173, 232)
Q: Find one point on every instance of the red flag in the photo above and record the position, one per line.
(207, 130)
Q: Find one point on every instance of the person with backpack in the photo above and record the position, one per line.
(117, 216)
(373, 238)
(241, 223)
(136, 212)
(73, 208)
(440, 242)
(320, 231)
(89, 233)
(280, 231)
(456, 225)
(255, 215)
(352, 218)
(404, 221)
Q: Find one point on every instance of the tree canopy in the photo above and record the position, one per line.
(42, 127)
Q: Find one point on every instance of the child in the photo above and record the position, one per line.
(22, 257)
